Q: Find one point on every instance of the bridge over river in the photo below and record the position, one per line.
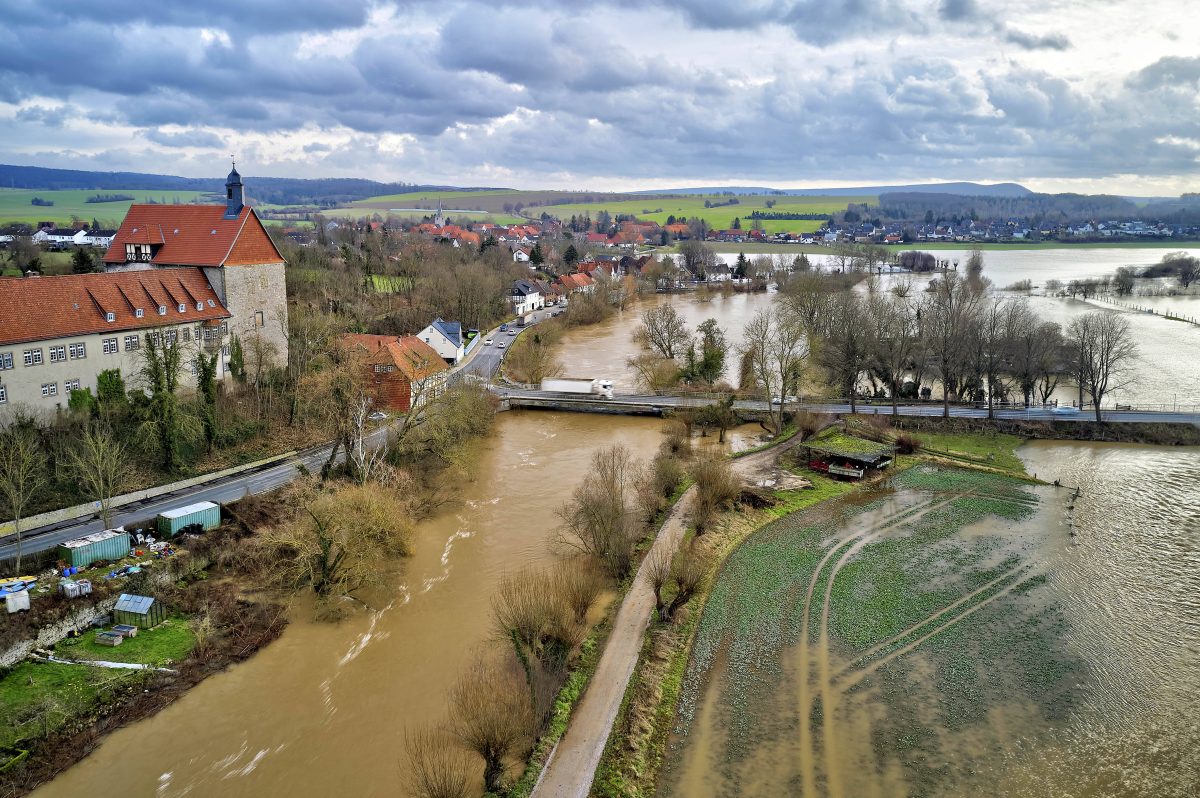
(657, 405)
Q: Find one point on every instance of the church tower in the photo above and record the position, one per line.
(235, 198)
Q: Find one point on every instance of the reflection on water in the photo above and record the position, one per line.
(322, 711)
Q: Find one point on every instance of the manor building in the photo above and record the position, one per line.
(195, 275)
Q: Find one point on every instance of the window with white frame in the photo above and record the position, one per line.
(78, 351)
(110, 346)
(33, 357)
(162, 310)
(139, 313)
(171, 336)
(6, 360)
(182, 308)
(3, 394)
(70, 385)
(131, 343)
(224, 328)
(199, 306)
(110, 316)
(49, 389)
(58, 353)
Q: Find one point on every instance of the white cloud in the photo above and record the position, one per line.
(618, 94)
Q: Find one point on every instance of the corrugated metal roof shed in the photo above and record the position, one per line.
(188, 510)
(131, 603)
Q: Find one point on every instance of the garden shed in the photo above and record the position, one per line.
(141, 611)
(841, 455)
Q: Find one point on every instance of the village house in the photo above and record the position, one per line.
(196, 275)
(445, 338)
(403, 372)
(525, 297)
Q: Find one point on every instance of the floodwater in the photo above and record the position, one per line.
(602, 350)
(1092, 690)
(322, 711)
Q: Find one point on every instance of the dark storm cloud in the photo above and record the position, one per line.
(855, 88)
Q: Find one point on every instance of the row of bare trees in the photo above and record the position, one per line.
(974, 345)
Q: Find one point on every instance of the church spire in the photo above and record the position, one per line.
(235, 198)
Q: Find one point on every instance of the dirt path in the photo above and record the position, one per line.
(572, 765)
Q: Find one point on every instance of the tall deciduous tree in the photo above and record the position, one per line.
(101, 464)
(776, 345)
(22, 475)
(162, 361)
(952, 309)
(1103, 353)
(894, 341)
(664, 331)
(845, 350)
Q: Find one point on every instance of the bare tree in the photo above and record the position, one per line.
(22, 476)
(437, 766)
(952, 309)
(1103, 353)
(101, 464)
(845, 351)
(491, 713)
(654, 372)
(716, 487)
(776, 346)
(598, 520)
(664, 331)
(893, 342)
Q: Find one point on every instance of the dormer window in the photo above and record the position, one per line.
(137, 253)
(212, 304)
(110, 316)
(138, 312)
(182, 308)
(162, 310)
(199, 306)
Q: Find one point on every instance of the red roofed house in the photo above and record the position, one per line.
(194, 275)
(403, 371)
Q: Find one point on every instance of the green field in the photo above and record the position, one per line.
(869, 642)
(15, 205)
(657, 209)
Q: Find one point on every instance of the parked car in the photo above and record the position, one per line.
(487, 341)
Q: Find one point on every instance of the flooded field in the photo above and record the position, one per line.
(959, 634)
(322, 711)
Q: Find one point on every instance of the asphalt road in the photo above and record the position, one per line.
(927, 410)
(485, 361)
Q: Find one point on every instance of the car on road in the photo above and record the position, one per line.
(487, 341)
(791, 399)
(503, 327)
(775, 400)
(378, 415)
(500, 345)
(1065, 410)
(512, 332)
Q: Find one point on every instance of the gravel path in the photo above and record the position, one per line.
(572, 765)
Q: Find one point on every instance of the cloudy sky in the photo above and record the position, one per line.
(1062, 95)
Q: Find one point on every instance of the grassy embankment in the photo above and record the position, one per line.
(15, 204)
(638, 744)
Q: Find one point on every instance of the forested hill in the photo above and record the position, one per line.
(959, 188)
(911, 205)
(274, 190)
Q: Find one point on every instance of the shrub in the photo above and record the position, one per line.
(906, 443)
(716, 488)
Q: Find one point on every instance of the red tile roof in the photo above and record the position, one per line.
(194, 235)
(40, 308)
(408, 353)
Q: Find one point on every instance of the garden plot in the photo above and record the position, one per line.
(878, 645)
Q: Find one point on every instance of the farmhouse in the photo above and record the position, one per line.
(404, 372)
(190, 275)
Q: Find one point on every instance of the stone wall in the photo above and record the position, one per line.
(250, 291)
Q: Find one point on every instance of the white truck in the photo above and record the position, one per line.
(585, 386)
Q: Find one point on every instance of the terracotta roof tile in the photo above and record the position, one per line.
(408, 353)
(39, 308)
(194, 235)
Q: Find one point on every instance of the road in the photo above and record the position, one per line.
(926, 410)
(484, 363)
